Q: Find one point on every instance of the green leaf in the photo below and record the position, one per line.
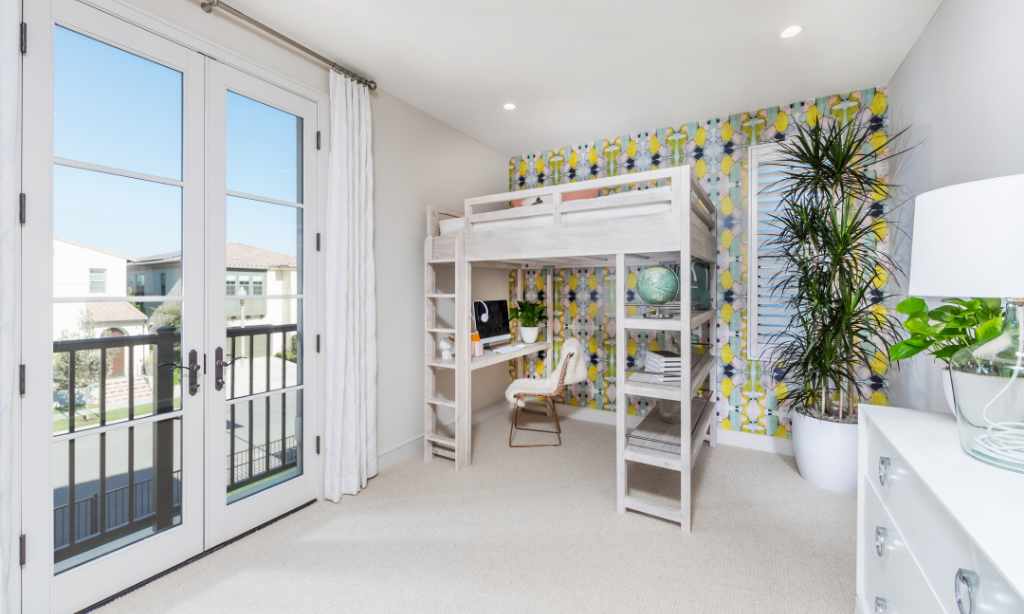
(989, 329)
(947, 352)
(910, 305)
(920, 325)
(904, 350)
(972, 304)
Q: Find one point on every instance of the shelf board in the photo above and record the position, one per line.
(670, 324)
(491, 358)
(660, 510)
(450, 331)
(441, 440)
(441, 364)
(440, 296)
(439, 401)
(442, 261)
(700, 426)
(702, 364)
(699, 370)
(656, 458)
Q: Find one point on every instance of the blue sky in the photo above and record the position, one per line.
(116, 109)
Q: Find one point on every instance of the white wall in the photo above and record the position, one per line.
(419, 161)
(957, 89)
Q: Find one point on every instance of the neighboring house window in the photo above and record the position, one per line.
(231, 285)
(140, 285)
(769, 315)
(257, 285)
(97, 281)
(163, 284)
(243, 283)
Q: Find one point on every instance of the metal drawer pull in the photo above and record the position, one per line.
(883, 469)
(970, 580)
(880, 534)
(880, 605)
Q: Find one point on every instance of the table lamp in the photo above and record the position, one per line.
(969, 242)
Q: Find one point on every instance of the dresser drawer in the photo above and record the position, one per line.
(889, 553)
(938, 543)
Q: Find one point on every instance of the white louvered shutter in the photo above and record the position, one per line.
(768, 312)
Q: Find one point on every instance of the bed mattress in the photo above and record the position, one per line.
(451, 226)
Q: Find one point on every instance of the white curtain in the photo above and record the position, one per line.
(351, 342)
(10, 181)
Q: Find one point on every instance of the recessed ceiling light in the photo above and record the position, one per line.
(509, 106)
(791, 31)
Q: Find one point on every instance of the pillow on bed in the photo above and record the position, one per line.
(567, 196)
(526, 202)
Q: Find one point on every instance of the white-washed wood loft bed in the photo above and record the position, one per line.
(673, 223)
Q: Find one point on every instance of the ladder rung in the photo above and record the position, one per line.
(437, 401)
(450, 331)
(441, 440)
(442, 261)
(445, 453)
(440, 296)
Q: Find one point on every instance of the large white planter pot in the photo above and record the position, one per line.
(826, 452)
(947, 387)
(529, 333)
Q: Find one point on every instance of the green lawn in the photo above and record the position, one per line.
(60, 425)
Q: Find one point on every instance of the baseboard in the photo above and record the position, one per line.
(414, 447)
(761, 443)
(589, 414)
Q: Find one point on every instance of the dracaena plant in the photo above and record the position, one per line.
(826, 244)
(945, 330)
(529, 313)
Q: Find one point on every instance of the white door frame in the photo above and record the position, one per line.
(37, 161)
(225, 521)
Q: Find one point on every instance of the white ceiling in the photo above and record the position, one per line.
(586, 69)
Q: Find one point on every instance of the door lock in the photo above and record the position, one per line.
(219, 362)
(192, 368)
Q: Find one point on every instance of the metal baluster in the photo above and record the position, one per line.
(72, 512)
(284, 430)
(131, 474)
(268, 362)
(251, 450)
(103, 386)
(252, 359)
(233, 458)
(233, 373)
(102, 520)
(71, 396)
(284, 359)
(131, 382)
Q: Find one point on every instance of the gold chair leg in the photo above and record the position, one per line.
(515, 426)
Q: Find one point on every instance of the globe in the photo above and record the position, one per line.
(657, 285)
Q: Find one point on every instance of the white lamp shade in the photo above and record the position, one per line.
(969, 240)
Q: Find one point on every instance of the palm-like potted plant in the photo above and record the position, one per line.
(530, 315)
(827, 244)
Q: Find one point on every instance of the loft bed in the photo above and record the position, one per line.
(672, 222)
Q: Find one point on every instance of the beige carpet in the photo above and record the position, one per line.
(535, 530)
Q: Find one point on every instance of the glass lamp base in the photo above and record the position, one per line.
(988, 385)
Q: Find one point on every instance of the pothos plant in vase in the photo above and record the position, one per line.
(529, 315)
(946, 330)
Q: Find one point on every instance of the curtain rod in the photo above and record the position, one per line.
(209, 5)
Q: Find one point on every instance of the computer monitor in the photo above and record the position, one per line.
(496, 328)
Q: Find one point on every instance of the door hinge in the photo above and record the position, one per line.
(317, 135)
(318, 241)
(318, 344)
(24, 38)
(21, 380)
(21, 208)
(317, 450)
(21, 550)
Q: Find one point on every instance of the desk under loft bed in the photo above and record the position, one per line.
(672, 223)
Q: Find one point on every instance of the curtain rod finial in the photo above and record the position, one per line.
(208, 5)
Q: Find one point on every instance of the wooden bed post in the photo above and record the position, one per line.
(681, 188)
(621, 408)
(463, 358)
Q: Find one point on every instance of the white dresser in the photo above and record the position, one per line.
(934, 524)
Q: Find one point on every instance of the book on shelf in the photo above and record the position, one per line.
(641, 377)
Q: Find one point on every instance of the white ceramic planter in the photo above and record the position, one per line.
(826, 452)
(947, 387)
(529, 333)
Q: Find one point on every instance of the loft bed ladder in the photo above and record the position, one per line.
(456, 449)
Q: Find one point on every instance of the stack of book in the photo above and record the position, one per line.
(663, 367)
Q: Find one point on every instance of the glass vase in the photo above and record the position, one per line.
(988, 386)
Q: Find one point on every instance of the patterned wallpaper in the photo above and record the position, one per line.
(748, 392)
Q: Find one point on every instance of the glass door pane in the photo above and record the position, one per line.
(263, 255)
(117, 219)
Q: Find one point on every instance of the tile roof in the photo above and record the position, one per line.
(114, 312)
(239, 256)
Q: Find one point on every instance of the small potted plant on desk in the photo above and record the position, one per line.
(529, 315)
(946, 330)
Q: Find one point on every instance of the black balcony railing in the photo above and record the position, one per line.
(239, 338)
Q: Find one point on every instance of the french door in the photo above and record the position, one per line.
(169, 296)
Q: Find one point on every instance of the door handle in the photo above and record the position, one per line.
(192, 368)
(219, 365)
